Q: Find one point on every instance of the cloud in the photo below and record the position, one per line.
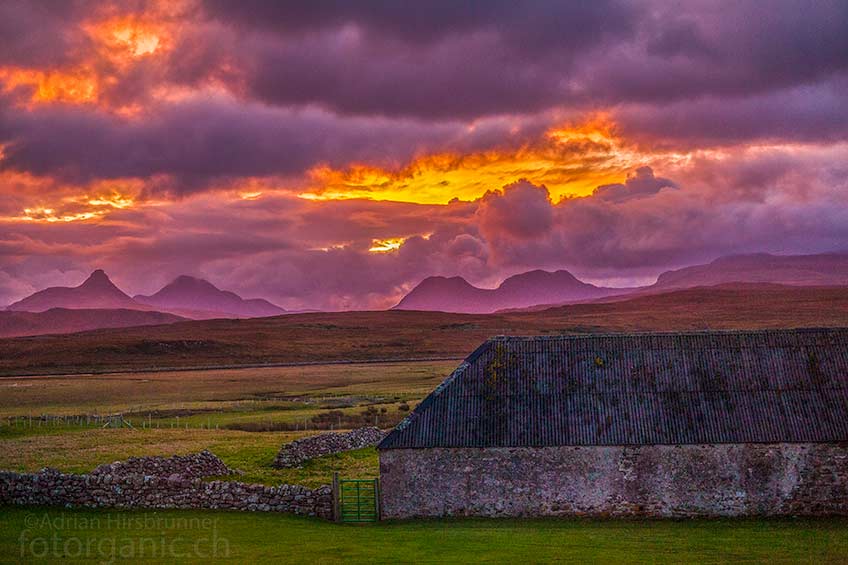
(639, 183)
(519, 211)
(707, 129)
(199, 140)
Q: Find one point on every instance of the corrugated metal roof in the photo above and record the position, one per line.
(631, 389)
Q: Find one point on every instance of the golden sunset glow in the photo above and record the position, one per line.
(119, 42)
(114, 200)
(386, 245)
(130, 35)
(50, 216)
(571, 160)
(78, 208)
(70, 86)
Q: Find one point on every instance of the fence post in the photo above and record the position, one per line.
(337, 514)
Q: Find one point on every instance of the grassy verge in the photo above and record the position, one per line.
(79, 451)
(74, 536)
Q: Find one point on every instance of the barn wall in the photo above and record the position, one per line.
(661, 481)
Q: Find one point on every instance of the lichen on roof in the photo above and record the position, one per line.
(659, 388)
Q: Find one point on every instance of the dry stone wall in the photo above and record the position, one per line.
(195, 465)
(656, 481)
(161, 483)
(299, 451)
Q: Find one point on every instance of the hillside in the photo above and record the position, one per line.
(98, 291)
(322, 337)
(63, 320)
(200, 299)
(455, 294)
(829, 269)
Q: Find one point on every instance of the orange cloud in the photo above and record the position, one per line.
(76, 209)
(44, 202)
(571, 160)
(386, 245)
(77, 86)
(130, 36)
(117, 42)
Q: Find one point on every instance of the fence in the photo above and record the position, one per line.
(102, 421)
(356, 500)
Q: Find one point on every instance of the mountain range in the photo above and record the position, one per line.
(538, 289)
(200, 299)
(455, 294)
(99, 303)
(825, 269)
(186, 297)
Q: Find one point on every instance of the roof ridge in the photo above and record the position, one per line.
(699, 333)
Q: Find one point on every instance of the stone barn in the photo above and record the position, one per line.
(672, 424)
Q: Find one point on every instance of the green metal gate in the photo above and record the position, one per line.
(358, 500)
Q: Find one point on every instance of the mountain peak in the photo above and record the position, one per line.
(441, 281)
(98, 291)
(539, 276)
(187, 294)
(455, 294)
(189, 282)
(98, 278)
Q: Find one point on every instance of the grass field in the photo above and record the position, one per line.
(188, 411)
(194, 536)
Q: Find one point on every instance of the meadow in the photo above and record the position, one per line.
(75, 536)
(241, 415)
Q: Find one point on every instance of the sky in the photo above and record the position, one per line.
(332, 154)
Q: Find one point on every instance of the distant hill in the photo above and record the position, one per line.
(830, 269)
(747, 272)
(396, 334)
(200, 299)
(96, 292)
(63, 320)
(455, 294)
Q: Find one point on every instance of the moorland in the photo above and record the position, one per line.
(411, 335)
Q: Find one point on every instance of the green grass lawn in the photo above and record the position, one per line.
(146, 536)
(81, 450)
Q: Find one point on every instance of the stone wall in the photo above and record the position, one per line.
(195, 465)
(657, 481)
(299, 451)
(171, 483)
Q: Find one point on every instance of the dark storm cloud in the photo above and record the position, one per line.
(810, 113)
(48, 33)
(39, 33)
(473, 59)
(529, 26)
(442, 59)
(725, 49)
(199, 141)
